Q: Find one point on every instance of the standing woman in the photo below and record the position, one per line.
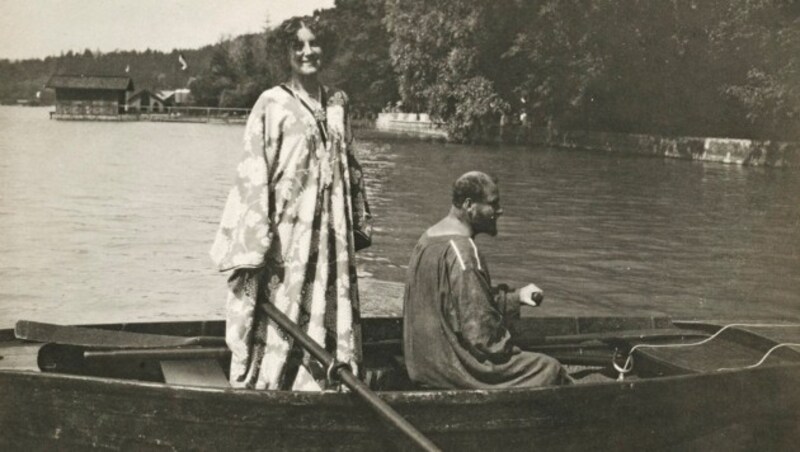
(287, 228)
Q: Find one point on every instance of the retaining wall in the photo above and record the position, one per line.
(418, 124)
(723, 150)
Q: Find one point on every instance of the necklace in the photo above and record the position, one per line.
(315, 105)
(318, 112)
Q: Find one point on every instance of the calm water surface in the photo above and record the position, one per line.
(112, 222)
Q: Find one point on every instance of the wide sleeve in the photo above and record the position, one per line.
(338, 113)
(356, 192)
(507, 303)
(480, 324)
(348, 129)
(356, 172)
(245, 231)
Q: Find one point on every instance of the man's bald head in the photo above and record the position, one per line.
(472, 185)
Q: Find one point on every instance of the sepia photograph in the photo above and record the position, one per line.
(367, 225)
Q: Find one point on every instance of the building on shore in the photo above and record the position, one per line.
(89, 96)
(145, 101)
(110, 98)
(176, 97)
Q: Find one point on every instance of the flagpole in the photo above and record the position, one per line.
(175, 77)
(182, 61)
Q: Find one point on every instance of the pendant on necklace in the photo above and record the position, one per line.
(320, 115)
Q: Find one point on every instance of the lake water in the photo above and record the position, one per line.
(107, 222)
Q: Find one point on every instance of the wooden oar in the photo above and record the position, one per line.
(100, 338)
(171, 353)
(386, 412)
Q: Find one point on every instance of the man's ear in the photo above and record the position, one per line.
(467, 204)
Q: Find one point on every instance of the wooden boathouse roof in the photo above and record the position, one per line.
(103, 82)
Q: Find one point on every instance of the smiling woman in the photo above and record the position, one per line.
(305, 54)
(286, 231)
(299, 40)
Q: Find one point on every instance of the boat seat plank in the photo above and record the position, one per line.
(96, 337)
(194, 372)
(19, 356)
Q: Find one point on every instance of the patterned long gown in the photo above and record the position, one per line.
(286, 234)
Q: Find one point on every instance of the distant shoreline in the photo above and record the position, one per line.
(710, 149)
(735, 151)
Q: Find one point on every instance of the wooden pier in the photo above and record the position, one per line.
(169, 114)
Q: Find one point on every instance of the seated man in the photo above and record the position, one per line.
(454, 321)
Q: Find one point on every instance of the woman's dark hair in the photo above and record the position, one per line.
(281, 39)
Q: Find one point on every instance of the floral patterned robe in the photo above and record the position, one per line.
(286, 232)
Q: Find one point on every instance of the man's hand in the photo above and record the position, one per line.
(531, 295)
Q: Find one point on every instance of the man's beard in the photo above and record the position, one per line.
(486, 225)
(492, 227)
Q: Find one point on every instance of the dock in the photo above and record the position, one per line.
(167, 114)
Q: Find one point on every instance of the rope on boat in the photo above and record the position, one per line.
(628, 366)
(764, 358)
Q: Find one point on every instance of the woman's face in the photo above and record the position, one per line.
(305, 55)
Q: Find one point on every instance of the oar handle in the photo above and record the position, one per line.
(386, 412)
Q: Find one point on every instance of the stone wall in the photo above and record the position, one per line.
(418, 124)
(723, 150)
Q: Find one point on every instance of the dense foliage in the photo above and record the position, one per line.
(686, 67)
(757, 42)
(361, 65)
(237, 72)
(443, 52)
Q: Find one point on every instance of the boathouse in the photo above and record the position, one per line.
(176, 97)
(89, 96)
(145, 101)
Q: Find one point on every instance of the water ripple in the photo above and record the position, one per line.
(112, 222)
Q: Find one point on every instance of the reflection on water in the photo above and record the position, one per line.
(603, 233)
(112, 222)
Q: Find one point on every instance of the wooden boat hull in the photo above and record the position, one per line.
(753, 409)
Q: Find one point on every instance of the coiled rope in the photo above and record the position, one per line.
(628, 366)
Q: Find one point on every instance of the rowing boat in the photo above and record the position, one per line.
(161, 386)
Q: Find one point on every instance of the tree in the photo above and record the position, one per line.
(441, 50)
(756, 45)
(244, 56)
(209, 87)
(555, 59)
(361, 64)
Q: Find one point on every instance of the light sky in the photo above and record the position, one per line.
(40, 28)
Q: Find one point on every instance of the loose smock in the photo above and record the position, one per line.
(455, 333)
(286, 232)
